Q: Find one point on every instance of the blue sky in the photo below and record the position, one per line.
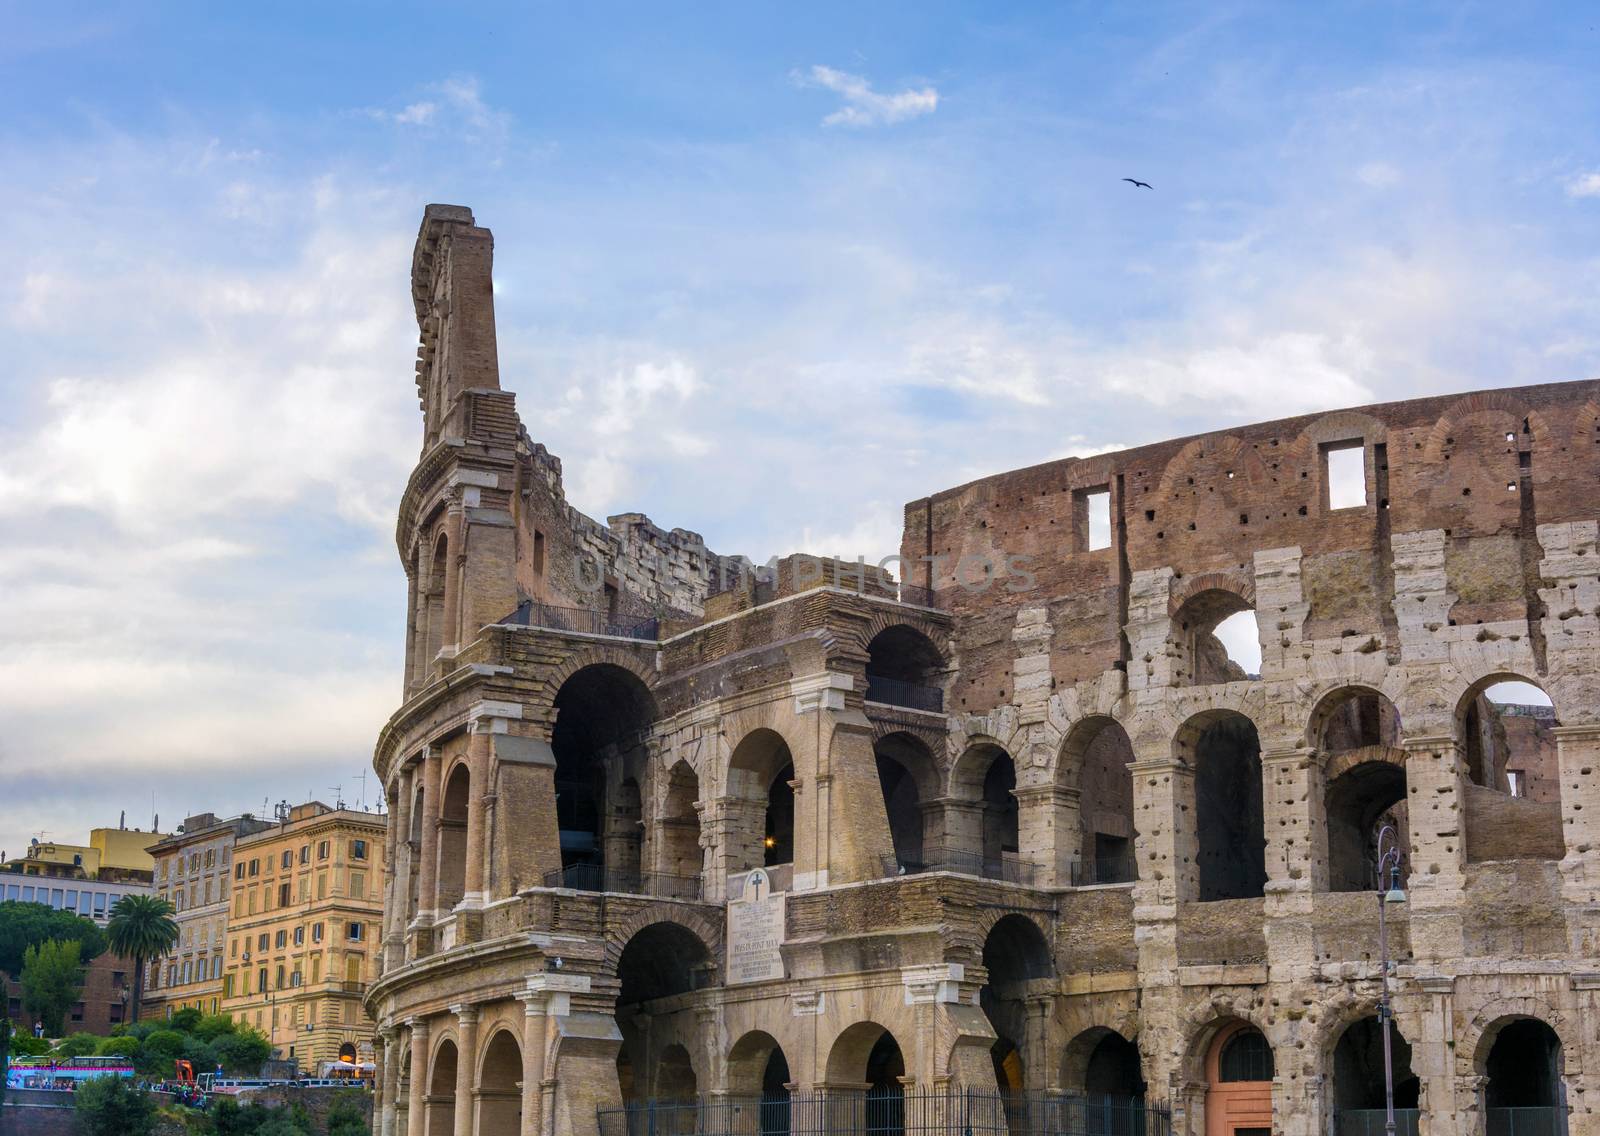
(765, 272)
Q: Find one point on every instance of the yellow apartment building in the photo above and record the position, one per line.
(194, 872)
(304, 926)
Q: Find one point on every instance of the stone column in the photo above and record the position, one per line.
(417, 1099)
(1436, 779)
(388, 1101)
(1578, 758)
(1051, 834)
(478, 745)
(466, 1062)
(734, 827)
(399, 910)
(1295, 820)
(1167, 844)
(427, 889)
(450, 636)
(535, 1038)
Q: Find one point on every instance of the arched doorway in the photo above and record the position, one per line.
(904, 668)
(1104, 1068)
(680, 855)
(1094, 761)
(760, 803)
(1225, 754)
(1015, 955)
(452, 874)
(982, 823)
(499, 1085)
(658, 965)
(602, 715)
(1358, 1079)
(867, 1054)
(1523, 1090)
(441, 1100)
(758, 1076)
(1239, 1072)
(909, 780)
(1215, 639)
(1357, 731)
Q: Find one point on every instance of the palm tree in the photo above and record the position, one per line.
(141, 928)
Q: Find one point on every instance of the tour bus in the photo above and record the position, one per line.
(63, 1074)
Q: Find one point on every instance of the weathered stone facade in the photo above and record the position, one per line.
(1044, 835)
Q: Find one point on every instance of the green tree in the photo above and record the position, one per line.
(117, 1047)
(158, 1053)
(243, 1051)
(347, 1114)
(52, 980)
(141, 928)
(186, 1019)
(78, 1045)
(111, 1106)
(24, 925)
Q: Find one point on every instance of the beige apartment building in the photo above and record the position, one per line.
(303, 928)
(194, 872)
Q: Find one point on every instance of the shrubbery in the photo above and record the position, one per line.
(112, 1106)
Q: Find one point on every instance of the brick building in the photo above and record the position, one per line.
(813, 850)
(303, 927)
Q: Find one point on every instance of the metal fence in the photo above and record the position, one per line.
(935, 859)
(1525, 1122)
(891, 1112)
(585, 621)
(1370, 1121)
(1105, 870)
(898, 692)
(598, 877)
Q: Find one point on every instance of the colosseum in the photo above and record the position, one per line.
(1018, 833)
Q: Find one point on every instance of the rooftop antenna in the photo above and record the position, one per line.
(280, 812)
(363, 778)
(338, 795)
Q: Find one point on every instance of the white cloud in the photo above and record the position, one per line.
(1378, 175)
(1584, 185)
(862, 105)
(455, 103)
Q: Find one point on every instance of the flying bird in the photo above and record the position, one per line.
(1139, 184)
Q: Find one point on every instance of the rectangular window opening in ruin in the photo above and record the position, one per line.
(1092, 518)
(1344, 473)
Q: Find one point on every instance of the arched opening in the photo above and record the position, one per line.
(1015, 955)
(760, 804)
(1104, 1067)
(434, 639)
(603, 713)
(1352, 718)
(413, 852)
(347, 1052)
(1523, 1091)
(1239, 1072)
(904, 668)
(680, 857)
(1215, 639)
(658, 965)
(1513, 805)
(1360, 803)
(675, 1077)
(1358, 1079)
(757, 1068)
(1095, 761)
(981, 826)
(441, 1099)
(1225, 754)
(452, 874)
(500, 1085)
(909, 780)
(867, 1054)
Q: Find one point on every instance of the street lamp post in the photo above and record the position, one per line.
(1388, 867)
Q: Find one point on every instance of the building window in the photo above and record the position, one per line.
(1344, 472)
(1515, 779)
(358, 885)
(238, 871)
(299, 936)
(358, 849)
(255, 867)
(353, 932)
(322, 850)
(288, 859)
(322, 885)
(283, 894)
(281, 940)
(77, 1011)
(305, 853)
(262, 941)
(261, 979)
(316, 932)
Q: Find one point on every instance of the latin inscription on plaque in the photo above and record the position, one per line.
(755, 931)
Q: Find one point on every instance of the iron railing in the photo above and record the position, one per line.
(584, 621)
(935, 859)
(1547, 1121)
(1370, 1121)
(1105, 870)
(891, 1112)
(628, 881)
(898, 692)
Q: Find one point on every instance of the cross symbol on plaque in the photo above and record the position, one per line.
(755, 884)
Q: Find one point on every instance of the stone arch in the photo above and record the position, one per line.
(1376, 719)
(1478, 728)
(759, 802)
(678, 853)
(1223, 748)
(851, 1051)
(905, 668)
(1507, 1055)
(909, 779)
(1093, 760)
(441, 1095)
(593, 656)
(1199, 657)
(688, 919)
(1483, 1028)
(455, 802)
(983, 817)
(881, 620)
(499, 1082)
(1103, 1062)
